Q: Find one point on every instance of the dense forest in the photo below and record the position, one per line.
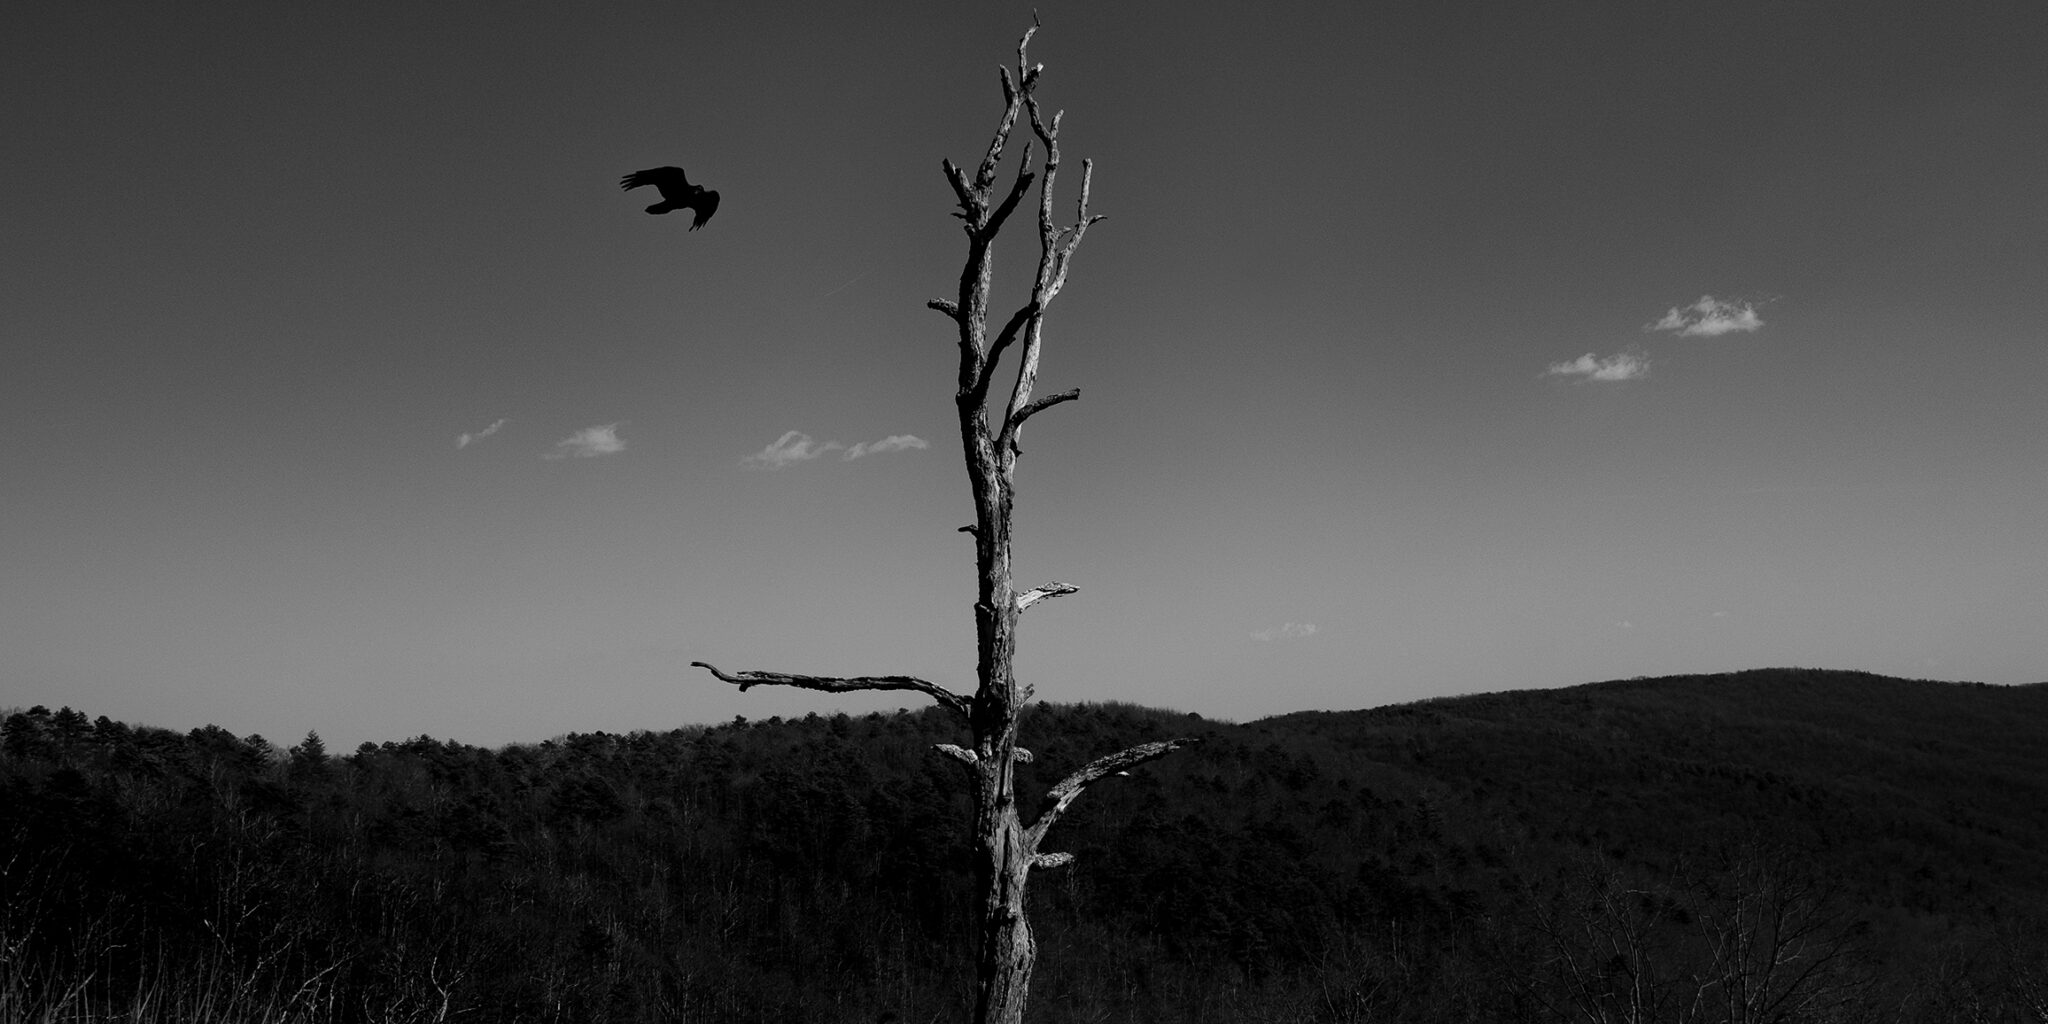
(1779, 845)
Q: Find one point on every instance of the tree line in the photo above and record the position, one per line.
(1761, 847)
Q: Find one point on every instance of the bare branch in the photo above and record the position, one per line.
(1037, 594)
(1018, 319)
(1081, 218)
(1017, 190)
(985, 175)
(841, 684)
(1023, 74)
(958, 179)
(1051, 860)
(1072, 234)
(1038, 405)
(1046, 133)
(1056, 251)
(946, 306)
(1058, 797)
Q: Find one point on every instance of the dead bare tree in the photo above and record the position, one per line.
(1777, 937)
(1006, 849)
(1757, 939)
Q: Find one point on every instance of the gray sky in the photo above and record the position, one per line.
(1429, 348)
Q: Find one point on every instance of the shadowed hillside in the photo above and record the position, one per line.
(1784, 844)
(1932, 795)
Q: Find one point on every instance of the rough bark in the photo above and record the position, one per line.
(1006, 849)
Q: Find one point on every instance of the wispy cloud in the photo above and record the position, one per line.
(1708, 318)
(1285, 631)
(589, 442)
(469, 439)
(1619, 366)
(892, 443)
(797, 446)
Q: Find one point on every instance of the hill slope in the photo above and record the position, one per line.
(1938, 792)
(1534, 855)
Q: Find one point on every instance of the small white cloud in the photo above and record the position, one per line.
(797, 446)
(468, 439)
(1285, 631)
(794, 446)
(589, 442)
(1708, 318)
(1620, 366)
(892, 443)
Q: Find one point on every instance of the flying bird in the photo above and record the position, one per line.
(676, 192)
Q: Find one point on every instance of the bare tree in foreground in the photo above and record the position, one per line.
(1006, 849)
(1757, 939)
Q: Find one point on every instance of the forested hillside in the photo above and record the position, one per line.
(1774, 845)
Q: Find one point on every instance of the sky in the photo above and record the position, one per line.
(1428, 348)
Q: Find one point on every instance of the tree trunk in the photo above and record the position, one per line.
(1002, 865)
(1005, 849)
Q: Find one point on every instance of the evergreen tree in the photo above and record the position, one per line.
(308, 761)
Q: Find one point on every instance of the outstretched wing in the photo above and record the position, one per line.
(705, 203)
(669, 181)
(676, 192)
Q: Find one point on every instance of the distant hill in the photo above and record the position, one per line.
(1932, 796)
(1784, 844)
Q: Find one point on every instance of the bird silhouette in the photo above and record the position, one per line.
(676, 192)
